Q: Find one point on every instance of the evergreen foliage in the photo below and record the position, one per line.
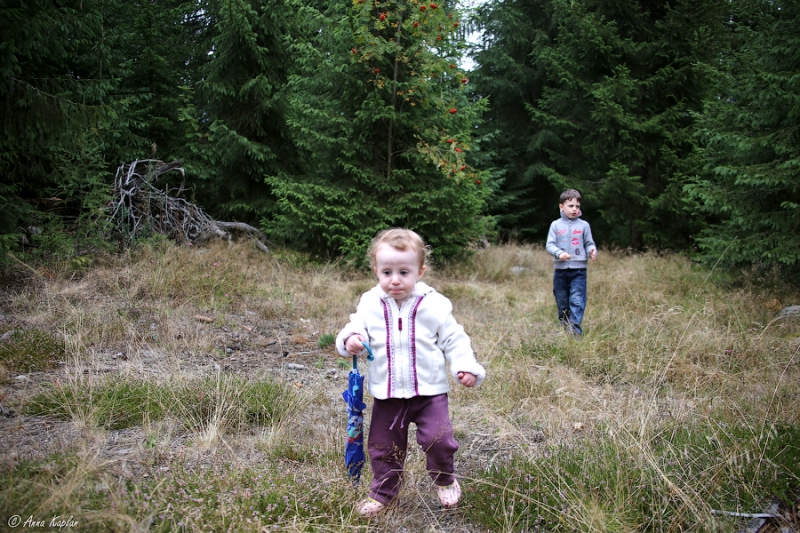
(159, 49)
(52, 111)
(237, 122)
(328, 121)
(506, 76)
(381, 113)
(608, 87)
(751, 136)
(86, 85)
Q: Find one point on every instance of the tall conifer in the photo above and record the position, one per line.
(240, 133)
(52, 109)
(386, 126)
(159, 50)
(506, 76)
(751, 137)
(610, 87)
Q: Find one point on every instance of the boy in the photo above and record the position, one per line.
(570, 243)
(413, 334)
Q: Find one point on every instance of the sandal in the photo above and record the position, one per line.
(450, 494)
(370, 508)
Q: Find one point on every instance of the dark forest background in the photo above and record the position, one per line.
(323, 122)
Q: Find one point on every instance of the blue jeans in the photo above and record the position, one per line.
(569, 288)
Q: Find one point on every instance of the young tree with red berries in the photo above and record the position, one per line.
(381, 111)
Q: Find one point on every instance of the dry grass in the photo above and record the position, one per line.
(682, 398)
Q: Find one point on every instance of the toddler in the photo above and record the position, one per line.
(413, 335)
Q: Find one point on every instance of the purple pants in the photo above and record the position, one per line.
(388, 442)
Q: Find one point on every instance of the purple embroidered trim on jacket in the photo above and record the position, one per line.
(387, 319)
(413, 342)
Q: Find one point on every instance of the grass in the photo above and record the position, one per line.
(227, 497)
(210, 404)
(669, 481)
(114, 405)
(28, 350)
(163, 382)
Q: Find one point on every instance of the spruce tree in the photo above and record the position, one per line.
(237, 121)
(506, 76)
(159, 49)
(751, 138)
(380, 112)
(53, 107)
(610, 88)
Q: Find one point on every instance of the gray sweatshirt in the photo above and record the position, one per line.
(573, 237)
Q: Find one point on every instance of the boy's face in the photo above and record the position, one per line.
(571, 208)
(398, 271)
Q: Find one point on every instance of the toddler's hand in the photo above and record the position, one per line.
(467, 379)
(354, 345)
(593, 254)
(564, 256)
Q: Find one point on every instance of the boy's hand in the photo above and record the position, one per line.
(593, 254)
(564, 256)
(467, 379)
(354, 345)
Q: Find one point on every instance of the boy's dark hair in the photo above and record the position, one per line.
(569, 194)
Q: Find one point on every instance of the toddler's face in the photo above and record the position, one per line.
(398, 271)
(571, 208)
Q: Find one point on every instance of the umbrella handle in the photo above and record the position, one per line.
(370, 357)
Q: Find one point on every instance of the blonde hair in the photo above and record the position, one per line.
(400, 239)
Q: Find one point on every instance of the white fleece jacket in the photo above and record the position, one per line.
(411, 344)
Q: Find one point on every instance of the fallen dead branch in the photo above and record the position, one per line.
(139, 208)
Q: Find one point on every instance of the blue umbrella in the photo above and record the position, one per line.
(354, 397)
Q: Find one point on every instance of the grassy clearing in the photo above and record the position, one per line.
(677, 402)
(206, 393)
